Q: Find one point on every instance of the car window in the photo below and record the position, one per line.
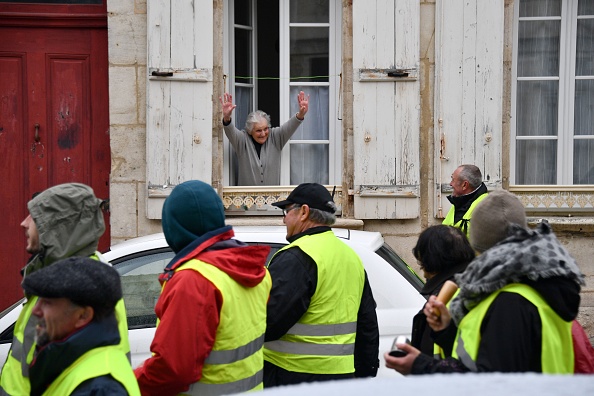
(388, 254)
(140, 285)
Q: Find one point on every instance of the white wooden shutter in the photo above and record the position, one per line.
(468, 91)
(179, 96)
(386, 108)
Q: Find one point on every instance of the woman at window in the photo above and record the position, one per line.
(259, 146)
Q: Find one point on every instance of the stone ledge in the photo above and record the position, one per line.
(565, 224)
(352, 224)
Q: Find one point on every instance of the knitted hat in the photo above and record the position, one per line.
(492, 217)
(82, 280)
(313, 195)
(191, 210)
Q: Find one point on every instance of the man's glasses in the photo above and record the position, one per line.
(287, 210)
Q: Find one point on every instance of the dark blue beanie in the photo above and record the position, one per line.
(192, 209)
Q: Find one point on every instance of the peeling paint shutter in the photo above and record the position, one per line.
(468, 94)
(386, 109)
(179, 119)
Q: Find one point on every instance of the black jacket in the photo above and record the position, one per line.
(511, 332)
(294, 281)
(421, 337)
(52, 359)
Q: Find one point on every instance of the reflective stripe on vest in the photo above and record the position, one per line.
(557, 343)
(323, 340)
(108, 360)
(254, 382)
(301, 329)
(15, 373)
(449, 219)
(236, 361)
(234, 355)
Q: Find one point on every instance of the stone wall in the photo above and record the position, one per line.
(127, 89)
(127, 112)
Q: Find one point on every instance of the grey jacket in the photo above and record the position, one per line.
(263, 171)
(69, 222)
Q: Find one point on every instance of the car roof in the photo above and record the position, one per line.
(269, 234)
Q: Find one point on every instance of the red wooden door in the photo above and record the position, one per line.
(54, 120)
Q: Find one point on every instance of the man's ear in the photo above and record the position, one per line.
(304, 212)
(85, 315)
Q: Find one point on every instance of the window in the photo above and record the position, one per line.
(553, 93)
(278, 48)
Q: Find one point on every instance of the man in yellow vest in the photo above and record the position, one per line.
(65, 220)
(212, 308)
(321, 322)
(468, 190)
(77, 331)
(516, 300)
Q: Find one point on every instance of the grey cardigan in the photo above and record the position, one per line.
(263, 171)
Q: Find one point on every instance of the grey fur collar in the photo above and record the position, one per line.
(533, 254)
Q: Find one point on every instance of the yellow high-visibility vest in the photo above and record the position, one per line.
(323, 340)
(557, 343)
(235, 363)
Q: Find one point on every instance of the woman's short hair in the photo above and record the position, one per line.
(442, 247)
(255, 117)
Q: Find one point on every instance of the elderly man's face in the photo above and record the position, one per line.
(458, 185)
(260, 132)
(31, 234)
(58, 317)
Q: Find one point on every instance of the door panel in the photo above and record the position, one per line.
(12, 159)
(54, 121)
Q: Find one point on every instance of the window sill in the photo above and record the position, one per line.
(257, 201)
(551, 200)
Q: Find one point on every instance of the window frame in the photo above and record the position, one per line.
(334, 82)
(566, 100)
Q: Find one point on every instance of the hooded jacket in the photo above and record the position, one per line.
(511, 331)
(69, 223)
(189, 307)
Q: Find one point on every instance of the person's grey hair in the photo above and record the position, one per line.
(472, 174)
(323, 217)
(254, 118)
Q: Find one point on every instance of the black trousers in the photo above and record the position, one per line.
(276, 376)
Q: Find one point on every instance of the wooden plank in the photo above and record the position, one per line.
(407, 96)
(466, 139)
(182, 34)
(203, 28)
(386, 208)
(386, 129)
(489, 108)
(469, 81)
(385, 32)
(158, 33)
(202, 140)
(157, 130)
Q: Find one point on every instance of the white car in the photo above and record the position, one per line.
(394, 284)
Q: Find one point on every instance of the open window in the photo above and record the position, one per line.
(276, 49)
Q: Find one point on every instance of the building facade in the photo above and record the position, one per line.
(401, 93)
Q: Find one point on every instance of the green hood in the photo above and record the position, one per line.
(69, 222)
